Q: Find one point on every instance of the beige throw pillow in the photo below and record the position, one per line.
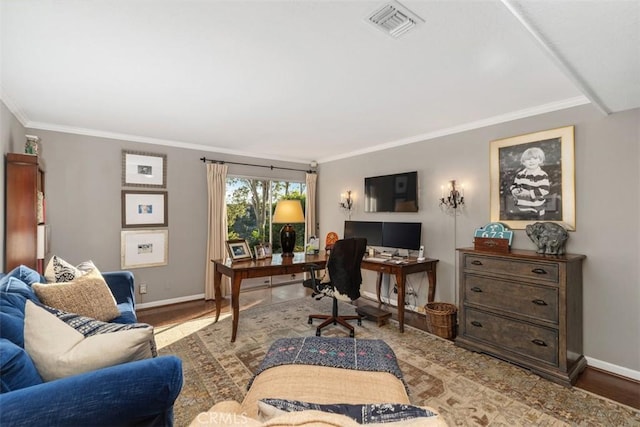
(87, 295)
(58, 350)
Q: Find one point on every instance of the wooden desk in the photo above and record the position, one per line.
(277, 265)
(257, 268)
(400, 271)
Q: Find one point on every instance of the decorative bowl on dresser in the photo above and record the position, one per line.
(525, 308)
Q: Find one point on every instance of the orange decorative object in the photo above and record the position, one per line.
(330, 240)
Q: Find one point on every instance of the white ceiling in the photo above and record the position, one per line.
(309, 80)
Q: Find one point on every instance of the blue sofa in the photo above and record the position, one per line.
(139, 393)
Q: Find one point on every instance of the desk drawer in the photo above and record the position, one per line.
(541, 271)
(523, 338)
(521, 299)
(381, 268)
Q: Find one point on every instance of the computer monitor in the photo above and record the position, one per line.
(370, 230)
(402, 235)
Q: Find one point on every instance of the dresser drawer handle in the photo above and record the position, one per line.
(539, 302)
(476, 262)
(476, 323)
(539, 342)
(476, 289)
(539, 271)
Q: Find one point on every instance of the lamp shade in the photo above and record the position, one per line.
(288, 212)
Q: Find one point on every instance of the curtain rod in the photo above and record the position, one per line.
(222, 162)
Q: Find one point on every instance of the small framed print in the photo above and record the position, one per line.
(144, 169)
(267, 250)
(144, 248)
(238, 249)
(259, 251)
(144, 209)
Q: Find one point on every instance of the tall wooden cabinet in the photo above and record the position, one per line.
(24, 179)
(524, 308)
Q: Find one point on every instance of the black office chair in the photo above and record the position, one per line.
(345, 277)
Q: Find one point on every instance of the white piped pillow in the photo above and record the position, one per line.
(58, 350)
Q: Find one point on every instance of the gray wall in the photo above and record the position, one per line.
(607, 213)
(83, 192)
(12, 139)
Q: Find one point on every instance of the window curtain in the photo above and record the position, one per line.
(310, 214)
(217, 224)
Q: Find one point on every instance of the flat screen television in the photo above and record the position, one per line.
(401, 235)
(391, 193)
(370, 230)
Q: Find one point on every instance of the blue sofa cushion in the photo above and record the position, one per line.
(25, 274)
(16, 368)
(13, 285)
(12, 317)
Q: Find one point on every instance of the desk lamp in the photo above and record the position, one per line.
(288, 212)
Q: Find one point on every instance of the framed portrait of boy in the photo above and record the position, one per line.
(533, 179)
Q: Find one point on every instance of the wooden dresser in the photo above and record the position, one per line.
(525, 308)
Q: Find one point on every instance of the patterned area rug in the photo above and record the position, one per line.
(467, 388)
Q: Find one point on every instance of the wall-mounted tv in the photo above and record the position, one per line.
(391, 193)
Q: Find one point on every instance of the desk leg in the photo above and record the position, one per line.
(378, 287)
(235, 304)
(431, 275)
(217, 283)
(400, 278)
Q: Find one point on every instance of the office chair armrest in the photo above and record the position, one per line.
(313, 282)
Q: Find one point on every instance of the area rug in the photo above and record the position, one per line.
(466, 388)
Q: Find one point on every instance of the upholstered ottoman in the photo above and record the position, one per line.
(301, 380)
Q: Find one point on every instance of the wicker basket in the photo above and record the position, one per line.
(441, 319)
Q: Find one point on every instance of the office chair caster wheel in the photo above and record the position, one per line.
(359, 322)
(317, 332)
(352, 334)
(310, 321)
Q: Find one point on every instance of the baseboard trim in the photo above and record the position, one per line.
(613, 369)
(169, 301)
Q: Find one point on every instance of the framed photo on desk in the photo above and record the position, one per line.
(238, 249)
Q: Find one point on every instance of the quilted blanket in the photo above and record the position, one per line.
(347, 353)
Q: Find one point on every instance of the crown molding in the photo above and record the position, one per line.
(154, 141)
(503, 118)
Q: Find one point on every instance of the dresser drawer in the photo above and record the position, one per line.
(542, 271)
(528, 340)
(521, 299)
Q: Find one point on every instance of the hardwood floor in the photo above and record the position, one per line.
(620, 389)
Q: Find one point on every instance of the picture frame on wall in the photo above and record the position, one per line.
(238, 249)
(144, 209)
(144, 248)
(533, 179)
(140, 169)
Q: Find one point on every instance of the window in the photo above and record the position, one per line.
(250, 206)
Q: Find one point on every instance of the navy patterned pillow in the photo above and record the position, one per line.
(363, 414)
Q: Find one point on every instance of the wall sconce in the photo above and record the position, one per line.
(453, 200)
(346, 203)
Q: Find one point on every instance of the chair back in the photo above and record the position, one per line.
(344, 266)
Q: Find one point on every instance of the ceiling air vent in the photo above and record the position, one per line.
(394, 19)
